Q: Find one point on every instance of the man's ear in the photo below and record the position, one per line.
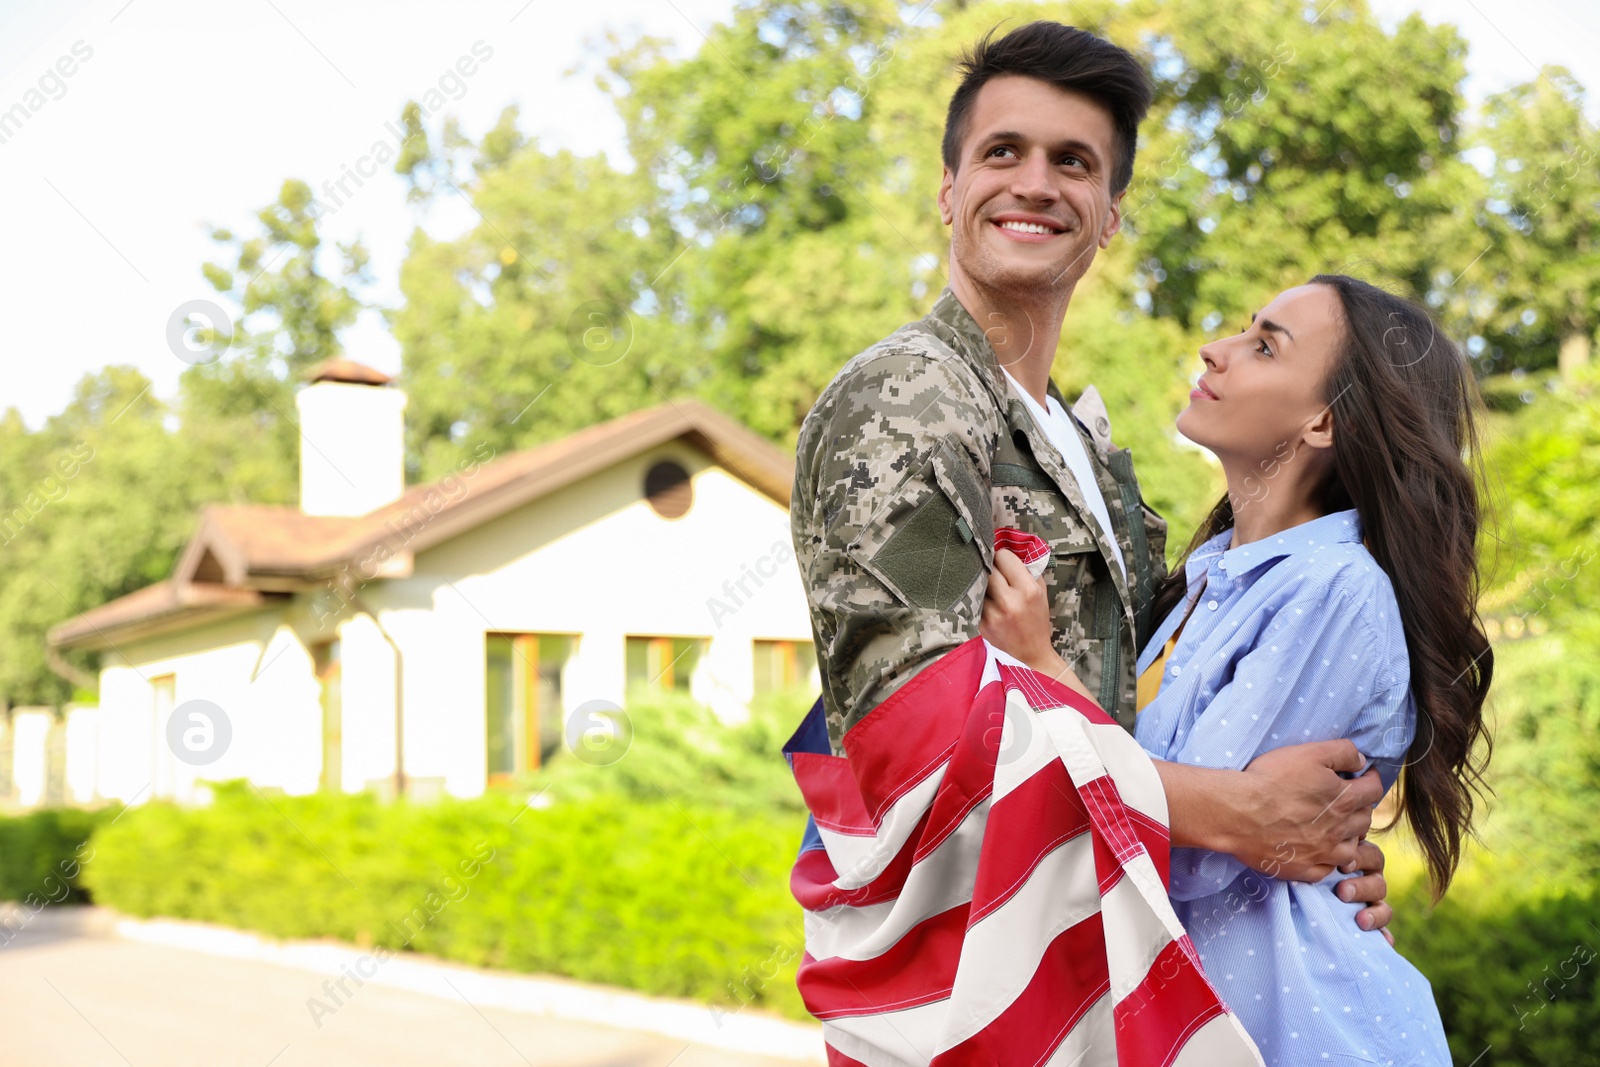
(1113, 221)
(947, 192)
(1319, 431)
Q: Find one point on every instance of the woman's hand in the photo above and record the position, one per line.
(1016, 619)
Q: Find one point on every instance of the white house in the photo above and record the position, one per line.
(449, 632)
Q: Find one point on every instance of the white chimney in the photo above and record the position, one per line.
(352, 440)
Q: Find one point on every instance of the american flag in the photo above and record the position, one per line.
(984, 882)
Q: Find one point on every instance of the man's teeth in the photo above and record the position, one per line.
(1026, 227)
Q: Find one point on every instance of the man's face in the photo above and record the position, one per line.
(1031, 199)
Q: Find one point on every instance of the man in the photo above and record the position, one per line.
(933, 438)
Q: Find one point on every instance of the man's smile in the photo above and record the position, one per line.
(1028, 228)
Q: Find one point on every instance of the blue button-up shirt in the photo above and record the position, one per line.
(1293, 638)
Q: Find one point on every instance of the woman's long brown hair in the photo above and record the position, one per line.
(1405, 438)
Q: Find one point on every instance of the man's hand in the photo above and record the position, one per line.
(1288, 815)
(1370, 887)
(1303, 820)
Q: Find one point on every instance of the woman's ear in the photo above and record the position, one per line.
(1319, 431)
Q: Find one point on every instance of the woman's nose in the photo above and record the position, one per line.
(1211, 356)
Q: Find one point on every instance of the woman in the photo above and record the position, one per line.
(1331, 593)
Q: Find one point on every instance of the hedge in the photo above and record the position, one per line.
(1513, 966)
(659, 896)
(42, 854)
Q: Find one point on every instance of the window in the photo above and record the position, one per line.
(163, 772)
(326, 658)
(522, 699)
(784, 665)
(668, 489)
(658, 663)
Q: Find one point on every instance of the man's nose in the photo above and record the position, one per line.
(1031, 179)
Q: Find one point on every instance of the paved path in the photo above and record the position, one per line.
(75, 998)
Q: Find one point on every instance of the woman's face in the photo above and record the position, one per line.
(1261, 398)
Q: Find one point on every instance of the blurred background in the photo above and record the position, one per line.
(398, 622)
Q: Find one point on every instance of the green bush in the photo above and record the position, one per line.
(664, 896)
(679, 749)
(1512, 969)
(42, 855)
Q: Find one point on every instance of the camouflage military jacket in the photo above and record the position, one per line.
(911, 458)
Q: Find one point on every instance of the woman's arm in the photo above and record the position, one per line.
(1288, 814)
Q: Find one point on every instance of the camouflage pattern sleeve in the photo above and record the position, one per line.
(891, 519)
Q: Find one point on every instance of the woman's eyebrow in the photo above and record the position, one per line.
(1268, 324)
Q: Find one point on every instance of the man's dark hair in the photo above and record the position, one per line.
(1068, 58)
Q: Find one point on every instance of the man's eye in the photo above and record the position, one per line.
(1070, 160)
(1001, 148)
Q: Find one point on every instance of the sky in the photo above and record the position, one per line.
(181, 115)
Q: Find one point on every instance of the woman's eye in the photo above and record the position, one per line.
(1264, 348)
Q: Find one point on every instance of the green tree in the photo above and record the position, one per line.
(1544, 290)
(549, 315)
(288, 309)
(97, 510)
(1286, 143)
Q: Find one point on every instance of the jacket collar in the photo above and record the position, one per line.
(954, 324)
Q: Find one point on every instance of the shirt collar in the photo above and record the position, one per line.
(1341, 527)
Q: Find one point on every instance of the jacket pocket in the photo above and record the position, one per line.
(934, 537)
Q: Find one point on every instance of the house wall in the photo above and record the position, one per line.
(593, 560)
(256, 669)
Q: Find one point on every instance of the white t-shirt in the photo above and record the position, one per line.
(1059, 430)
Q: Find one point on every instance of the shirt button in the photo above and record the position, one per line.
(1211, 605)
(1176, 670)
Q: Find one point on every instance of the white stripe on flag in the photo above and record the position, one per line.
(858, 860)
(888, 1039)
(1025, 745)
(1003, 949)
(1135, 932)
(1138, 781)
(1092, 1041)
(941, 881)
(1221, 1041)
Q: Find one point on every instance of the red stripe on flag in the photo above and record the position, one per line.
(1045, 692)
(969, 777)
(816, 894)
(1121, 837)
(1071, 976)
(919, 969)
(839, 1059)
(1028, 547)
(1161, 1013)
(1042, 813)
(902, 740)
(831, 793)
